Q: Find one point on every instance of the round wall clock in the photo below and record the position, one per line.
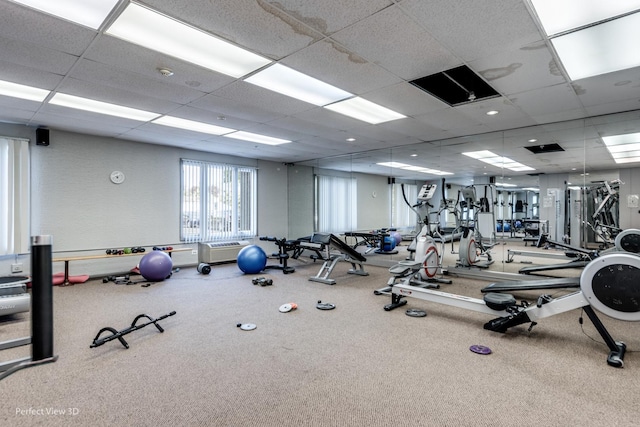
(117, 177)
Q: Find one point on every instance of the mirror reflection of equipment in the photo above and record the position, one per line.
(427, 262)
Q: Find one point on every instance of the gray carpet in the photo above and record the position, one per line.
(357, 365)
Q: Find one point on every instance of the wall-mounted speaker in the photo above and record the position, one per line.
(391, 180)
(492, 180)
(42, 136)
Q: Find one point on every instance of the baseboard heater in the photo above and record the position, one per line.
(215, 252)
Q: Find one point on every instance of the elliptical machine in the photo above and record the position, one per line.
(471, 249)
(423, 270)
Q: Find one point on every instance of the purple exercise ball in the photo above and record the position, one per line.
(397, 236)
(156, 266)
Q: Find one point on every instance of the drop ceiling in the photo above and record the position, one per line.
(370, 48)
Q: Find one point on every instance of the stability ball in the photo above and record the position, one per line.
(397, 237)
(388, 243)
(252, 259)
(155, 266)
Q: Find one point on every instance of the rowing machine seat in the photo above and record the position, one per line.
(498, 301)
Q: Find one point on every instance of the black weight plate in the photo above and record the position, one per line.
(414, 312)
(325, 306)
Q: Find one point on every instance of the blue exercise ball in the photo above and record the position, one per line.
(388, 243)
(252, 259)
(156, 266)
(397, 237)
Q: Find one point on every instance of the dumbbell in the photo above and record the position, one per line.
(262, 281)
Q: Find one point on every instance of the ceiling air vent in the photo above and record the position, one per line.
(547, 148)
(456, 86)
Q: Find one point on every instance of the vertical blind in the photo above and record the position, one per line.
(401, 215)
(218, 201)
(14, 196)
(336, 207)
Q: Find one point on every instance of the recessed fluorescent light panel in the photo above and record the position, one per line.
(405, 166)
(90, 13)
(600, 49)
(93, 106)
(367, 111)
(592, 37)
(255, 137)
(150, 29)
(623, 148)
(177, 122)
(504, 184)
(23, 92)
(498, 161)
(559, 16)
(393, 164)
(295, 84)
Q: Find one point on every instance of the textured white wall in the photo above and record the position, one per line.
(272, 203)
(373, 202)
(74, 201)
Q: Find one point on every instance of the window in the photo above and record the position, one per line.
(401, 215)
(336, 210)
(218, 201)
(14, 196)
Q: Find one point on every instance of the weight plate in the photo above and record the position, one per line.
(414, 312)
(285, 308)
(480, 349)
(325, 306)
(248, 326)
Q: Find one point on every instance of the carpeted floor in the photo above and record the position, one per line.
(356, 365)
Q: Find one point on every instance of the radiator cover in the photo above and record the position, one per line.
(214, 252)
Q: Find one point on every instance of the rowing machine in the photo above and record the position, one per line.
(607, 284)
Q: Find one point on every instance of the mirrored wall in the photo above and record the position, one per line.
(560, 178)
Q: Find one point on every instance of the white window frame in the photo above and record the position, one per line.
(227, 211)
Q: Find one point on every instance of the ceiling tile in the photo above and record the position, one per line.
(394, 41)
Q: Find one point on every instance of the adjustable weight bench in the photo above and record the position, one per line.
(322, 244)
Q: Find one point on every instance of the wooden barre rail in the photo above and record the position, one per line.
(102, 256)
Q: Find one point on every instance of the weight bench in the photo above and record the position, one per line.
(322, 243)
(374, 241)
